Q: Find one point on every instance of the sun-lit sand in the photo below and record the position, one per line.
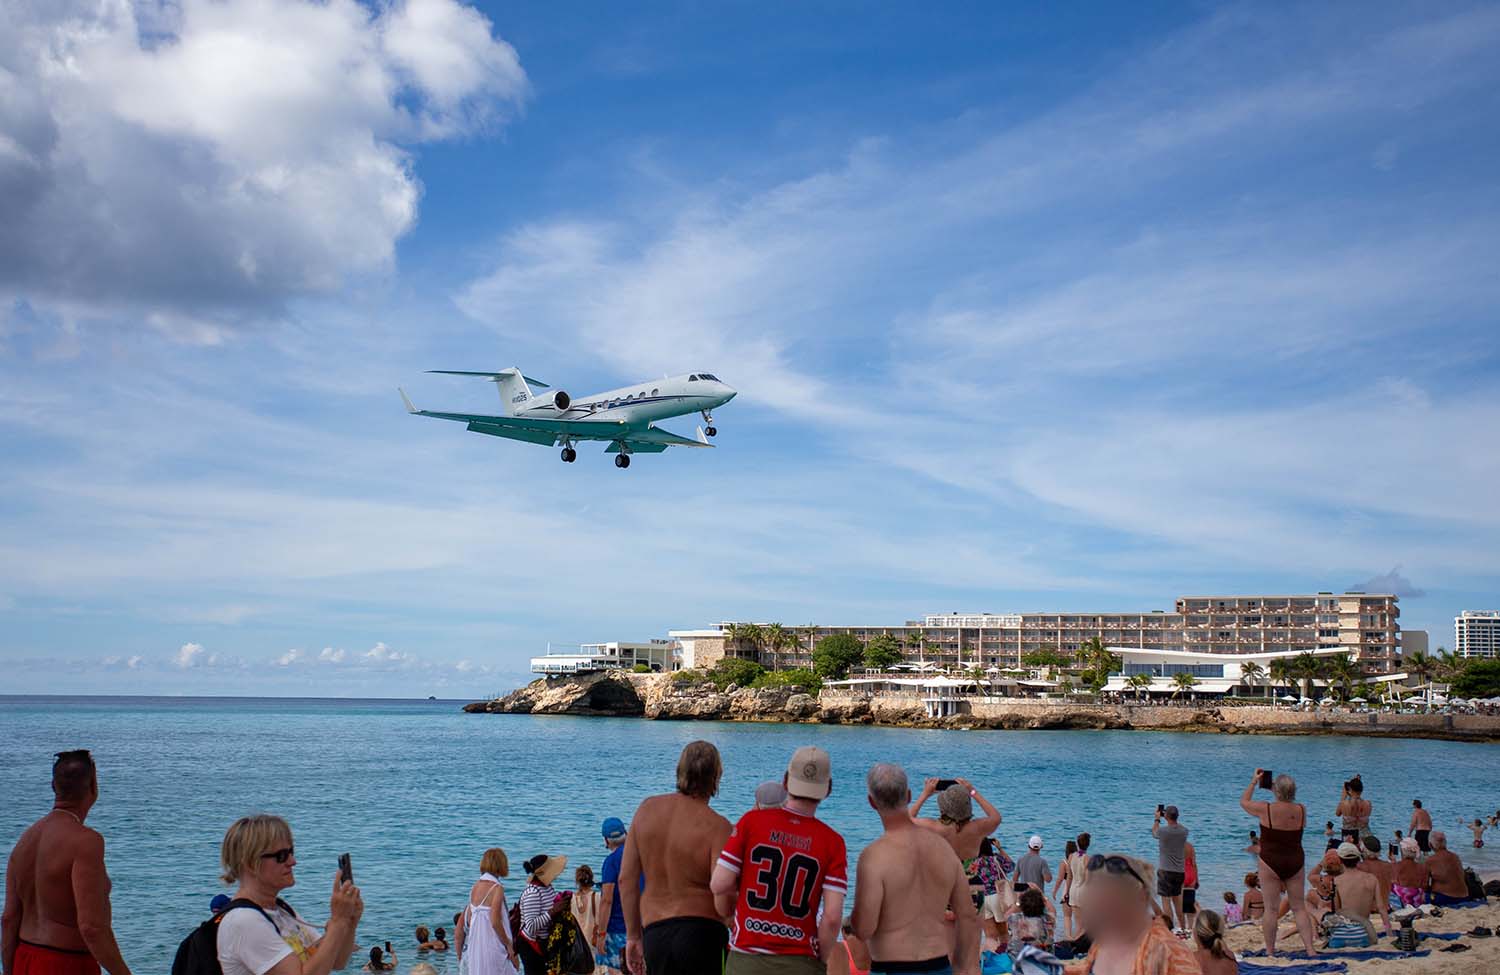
(1483, 955)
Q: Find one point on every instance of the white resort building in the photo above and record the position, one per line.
(658, 655)
(1477, 634)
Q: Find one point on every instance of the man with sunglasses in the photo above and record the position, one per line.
(57, 913)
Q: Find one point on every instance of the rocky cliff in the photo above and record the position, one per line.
(663, 698)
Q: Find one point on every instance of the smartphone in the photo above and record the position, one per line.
(1265, 778)
(346, 868)
(943, 784)
(1021, 886)
(388, 947)
(1161, 809)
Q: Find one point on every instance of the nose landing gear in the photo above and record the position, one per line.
(710, 430)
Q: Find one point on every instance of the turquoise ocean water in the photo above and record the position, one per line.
(415, 791)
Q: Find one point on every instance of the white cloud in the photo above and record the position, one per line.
(192, 655)
(290, 658)
(250, 155)
(332, 656)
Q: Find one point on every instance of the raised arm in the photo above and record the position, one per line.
(928, 788)
(91, 895)
(1246, 800)
(991, 820)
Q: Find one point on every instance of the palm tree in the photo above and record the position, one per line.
(1138, 683)
(1098, 661)
(919, 637)
(750, 635)
(775, 636)
(1421, 665)
(1184, 681)
(1343, 671)
(1281, 672)
(1251, 673)
(1449, 664)
(1309, 668)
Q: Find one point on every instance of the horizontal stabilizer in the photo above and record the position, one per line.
(491, 376)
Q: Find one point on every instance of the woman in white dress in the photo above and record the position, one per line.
(485, 943)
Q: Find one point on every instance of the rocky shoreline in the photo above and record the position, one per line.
(661, 697)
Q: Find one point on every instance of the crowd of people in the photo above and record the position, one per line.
(684, 890)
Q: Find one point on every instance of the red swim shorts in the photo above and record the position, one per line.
(41, 960)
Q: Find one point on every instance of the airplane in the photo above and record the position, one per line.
(621, 417)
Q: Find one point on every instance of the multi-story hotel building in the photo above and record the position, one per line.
(1361, 624)
(1477, 634)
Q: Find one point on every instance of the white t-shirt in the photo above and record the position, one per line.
(250, 945)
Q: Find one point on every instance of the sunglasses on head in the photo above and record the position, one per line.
(280, 856)
(1114, 864)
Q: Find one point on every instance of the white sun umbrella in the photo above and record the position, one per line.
(1327, 701)
(1289, 699)
(1357, 700)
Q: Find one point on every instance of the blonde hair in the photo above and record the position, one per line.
(495, 861)
(1209, 932)
(248, 839)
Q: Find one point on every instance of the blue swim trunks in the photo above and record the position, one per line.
(613, 955)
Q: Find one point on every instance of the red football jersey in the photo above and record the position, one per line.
(785, 862)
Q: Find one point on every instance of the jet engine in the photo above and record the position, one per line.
(559, 401)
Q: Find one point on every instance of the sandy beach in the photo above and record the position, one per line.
(1483, 955)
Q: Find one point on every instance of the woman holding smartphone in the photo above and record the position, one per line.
(1281, 862)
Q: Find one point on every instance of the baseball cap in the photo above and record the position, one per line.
(809, 774)
(769, 795)
(219, 902)
(1348, 851)
(1035, 843)
(613, 829)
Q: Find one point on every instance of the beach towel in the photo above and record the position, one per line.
(1301, 968)
(1034, 961)
(1372, 954)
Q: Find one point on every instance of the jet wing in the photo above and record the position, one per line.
(655, 436)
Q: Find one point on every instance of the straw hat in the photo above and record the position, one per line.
(546, 868)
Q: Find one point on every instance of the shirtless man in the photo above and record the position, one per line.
(1384, 874)
(57, 916)
(907, 881)
(1445, 873)
(1421, 826)
(1356, 894)
(672, 927)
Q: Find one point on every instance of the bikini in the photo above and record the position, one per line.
(1281, 849)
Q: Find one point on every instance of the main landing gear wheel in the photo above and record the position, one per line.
(622, 460)
(569, 455)
(711, 432)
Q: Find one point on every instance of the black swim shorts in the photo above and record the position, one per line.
(1169, 883)
(685, 946)
(1423, 838)
(1189, 900)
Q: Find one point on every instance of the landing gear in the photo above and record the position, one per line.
(622, 460)
(569, 455)
(711, 431)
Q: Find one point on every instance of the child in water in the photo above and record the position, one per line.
(1478, 828)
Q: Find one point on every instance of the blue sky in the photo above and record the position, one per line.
(1066, 308)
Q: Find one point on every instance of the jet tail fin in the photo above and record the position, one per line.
(515, 389)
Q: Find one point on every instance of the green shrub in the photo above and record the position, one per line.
(641, 669)
(688, 676)
(735, 670)
(797, 677)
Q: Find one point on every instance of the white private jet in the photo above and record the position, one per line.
(621, 417)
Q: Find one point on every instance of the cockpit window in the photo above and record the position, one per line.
(692, 379)
(712, 379)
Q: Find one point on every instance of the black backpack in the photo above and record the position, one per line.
(1476, 888)
(199, 952)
